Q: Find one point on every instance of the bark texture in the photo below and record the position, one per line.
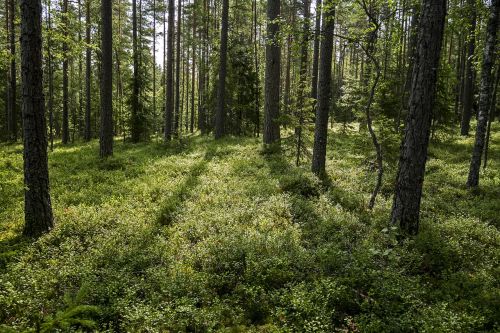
(324, 91)
(220, 113)
(106, 140)
(410, 176)
(37, 210)
(485, 94)
(272, 79)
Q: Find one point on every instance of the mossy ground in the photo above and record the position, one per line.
(223, 236)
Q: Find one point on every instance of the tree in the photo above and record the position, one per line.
(272, 79)
(88, 69)
(314, 76)
(221, 89)
(169, 101)
(325, 90)
(485, 94)
(178, 68)
(413, 156)
(37, 210)
(65, 49)
(12, 106)
(106, 139)
(469, 71)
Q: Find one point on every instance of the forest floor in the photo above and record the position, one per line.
(205, 236)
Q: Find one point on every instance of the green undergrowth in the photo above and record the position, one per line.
(205, 236)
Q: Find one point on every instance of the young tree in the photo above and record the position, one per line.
(106, 139)
(221, 89)
(37, 206)
(485, 93)
(325, 90)
(410, 176)
(272, 79)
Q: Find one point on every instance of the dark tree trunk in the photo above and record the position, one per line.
(193, 76)
(314, 76)
(65, 114)
(169, 101)
(221, 93)
(51, 78)
(106, 141)
(272, 80)
(88, 69)
(485, 93)
(469, 72)
(12, 89)
(410, 176)
(325, 90)
(37, 206)
(491, 117)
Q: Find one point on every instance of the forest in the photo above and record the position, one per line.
(249, 166)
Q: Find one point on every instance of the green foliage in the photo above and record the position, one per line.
(225, 237)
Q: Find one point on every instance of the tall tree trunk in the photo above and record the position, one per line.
(51, 77)
(135, 130)
(178, 68)
(302, 81)
(325, 90)
(469, 72)
(485, 93)
(154, 66)
(314, 76)
(169, 101)
(491, 117)
(272, 80)
(410, 176)
(13, 76)
(88, 55)
(65, 115)
(106, 140)
(221, 89)
(37, 206)
(80, 71)
(257, 71)
(193, 74)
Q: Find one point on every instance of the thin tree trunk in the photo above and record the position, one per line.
(51, 78)
(169, 102)
(272, 80)
(410, 176)
(135, 131)
(485, 93)
(314, 76)
(221, 89)
(13, 75)
(324, 91)
(491, 117)
(178, 68)
(37, 205)
(193, 75)
(106, 140)
(88, 69)
(65, 115)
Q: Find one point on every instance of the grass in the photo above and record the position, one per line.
(225, 237)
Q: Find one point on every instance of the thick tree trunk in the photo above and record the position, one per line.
(324, 91)
(37, 206)
(469, 72)
(13, 76)
(314, 76)
(272, 80)
(221, 93)
(88, 54)
(65, 114)
(410, 176)
(485, 93)
(169, 101)
(106, 141)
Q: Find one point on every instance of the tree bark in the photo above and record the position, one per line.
(324, 91)
(169, 101)
(65, 114)
(314, 76)
(485, 93)
(221, 93)
(272, 79)
(37, 206)
(13, 76)
(410, 176)
(178, 68)
(469, 72)
(106, 141)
